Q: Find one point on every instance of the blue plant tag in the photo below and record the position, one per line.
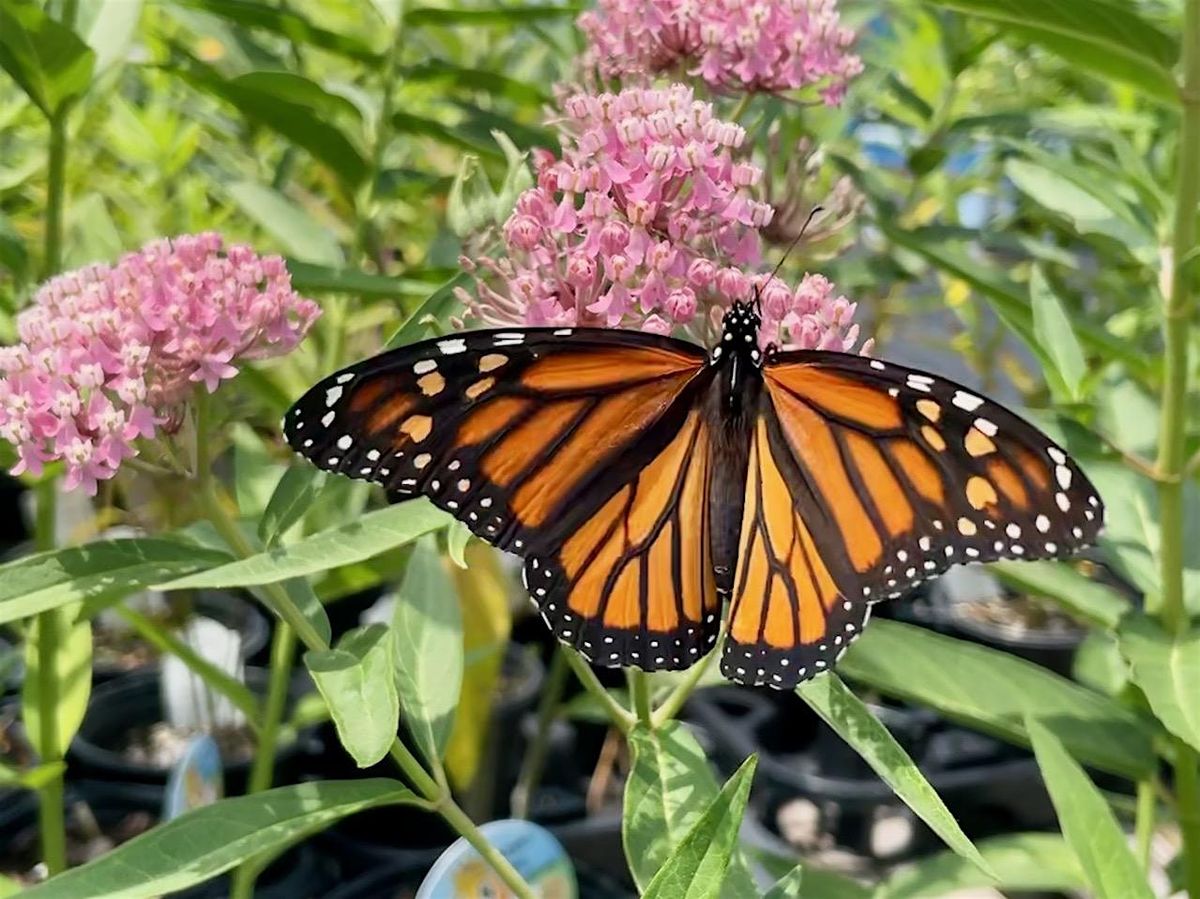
(460, 872)
(196, 780)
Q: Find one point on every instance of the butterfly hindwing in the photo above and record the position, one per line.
(894, 475)
(555, 444)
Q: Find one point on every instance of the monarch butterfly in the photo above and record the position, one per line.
(648, 482)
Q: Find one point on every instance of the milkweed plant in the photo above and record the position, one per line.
(205, 208)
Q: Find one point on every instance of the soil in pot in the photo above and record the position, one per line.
(123, 737)
(118, 650)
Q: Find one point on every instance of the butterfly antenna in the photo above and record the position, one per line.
(808, 221)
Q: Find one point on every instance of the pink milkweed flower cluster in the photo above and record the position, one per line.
(109, 353)
(646, 221)
(767, 46)
(810, 317)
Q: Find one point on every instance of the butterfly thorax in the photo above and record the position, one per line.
(730, 409)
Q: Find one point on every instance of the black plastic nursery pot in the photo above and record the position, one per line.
(818, 792)
(234, 611)
(133, 701)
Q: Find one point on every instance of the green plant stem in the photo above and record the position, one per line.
(435, 794)
(621, 718)
(51, 814)
(639, 694)
(675, 700)
(283, 652)
(1171, 447)
(535, 756)
(1144, 820)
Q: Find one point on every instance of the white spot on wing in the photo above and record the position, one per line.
(968, 402)
(425, 366)
(450, 347)
(332, 395)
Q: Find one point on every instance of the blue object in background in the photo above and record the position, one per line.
(460, 872)
(196, 780)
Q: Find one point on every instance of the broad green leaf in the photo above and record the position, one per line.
(458, 535)
(47, 59)
(1079, 594)
(697, 867)
(854, 723)
(60, 688)
(1092, 207)
(435, 308)
(209, 841)
(405, 122)
(486, 80)
(1052, 330)
(1087, 821)
(255, 470)
(1033, 862)
(8, 887)
(293, 495)
(359, 687)
(293, 107)
(297, 232)
(370, 535)
(1090, 33)
(471, 199)
(993, 691)
(1167, 669)
(788, 886)
(109, 27)
(286, 23)
(669, 787)
(303, 597)
(494, 15)
(427, 626)
(102, 568)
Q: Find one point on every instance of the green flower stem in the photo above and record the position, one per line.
(51, 815)
(283, 654)
(1171, 447)
(620, 716)
(674, 702)
(281, 604)
(535, 757)
(639, 693)
(1144, 818)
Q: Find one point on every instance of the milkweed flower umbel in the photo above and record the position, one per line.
(109, 354)
(767, 46)
(647, 221)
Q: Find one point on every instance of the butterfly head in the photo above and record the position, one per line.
(739, 334)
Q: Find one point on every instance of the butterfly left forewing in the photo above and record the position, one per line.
(581, 450)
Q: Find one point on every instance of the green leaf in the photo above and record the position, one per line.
(788, 886)
(1107, 39)
(670, 785)
(1008, 301)
(293, 107)
(486, 80)
(1033, 862)
(46, 59)
(495, 15)
(286, 23)
(993, 691)
(1087, 821)
(103, 568)
(359, 687)
(427, 625)
(304, 598)
(696, 869)
(458, 535)
(71, 679)
(1053, 332)
(109, 29)
(434, 309)
(1167, 669)
(370, 535)
(210, 840)
(1074, 591)
(293, 495)
(854, 723)
(310, 279)
(297, 232)
(8, 887)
